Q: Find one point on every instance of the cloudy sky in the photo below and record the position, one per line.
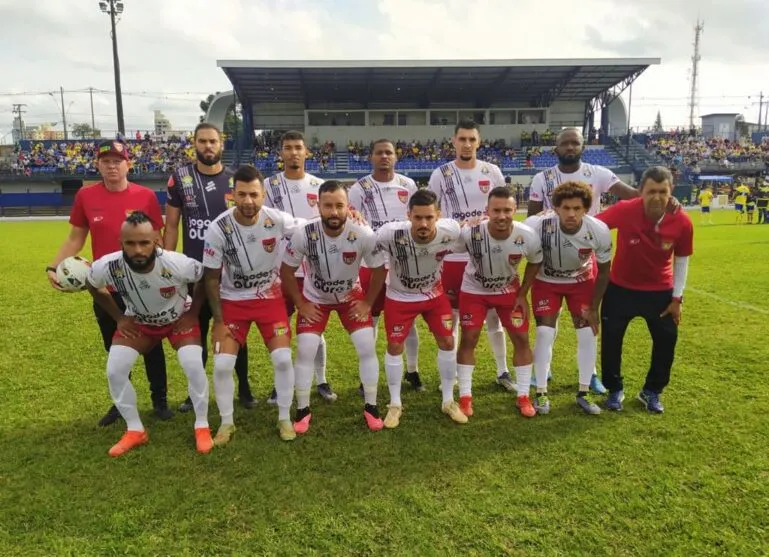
(169, 48)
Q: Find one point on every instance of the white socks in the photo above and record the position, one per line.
(465, 379)
(412, 349)
(523, 379)
(307, 348)
(368, 366)
(497, 341)
(447, 367)
(191, 360)
(587, 350)
(320, 362)
(394, 370)
(543, 355)
(224, 385)
(119, 363)
(284, 380)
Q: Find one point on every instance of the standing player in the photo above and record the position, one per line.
(647, 280)
(332, 250)
(243, 287)
(294, 191)
(100, 210)
(491, 282)
(570, 240)
(416, 249)
(706, 199)
(197, 194)
(462, 187)
(383, 197)
(153, 284)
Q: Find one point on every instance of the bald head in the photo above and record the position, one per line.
(569, 145)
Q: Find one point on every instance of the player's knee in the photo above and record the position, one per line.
(191, 358)
(281, 359)
(224, 364)
(395, 348)
(469, 339)
(445, 343)
(363, 340)
(520, 341)
(307, 346)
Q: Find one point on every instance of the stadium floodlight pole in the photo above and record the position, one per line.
(115, 7)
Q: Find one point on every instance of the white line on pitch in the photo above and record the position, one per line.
(741, 305)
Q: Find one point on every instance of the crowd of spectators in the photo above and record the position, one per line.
(320, 156)
(691, 151)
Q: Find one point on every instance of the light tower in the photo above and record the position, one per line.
(695, 69)
(113, 8)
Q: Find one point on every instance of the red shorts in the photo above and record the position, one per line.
(268, 315)
(451, 278)
(473, 309)
(399, 317)
(364, 274)
(546, 297)
(165, 331)
(289, 304)
(342, 310)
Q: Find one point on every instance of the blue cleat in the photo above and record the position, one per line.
(652, 401)
(614, 401)
(596, 386)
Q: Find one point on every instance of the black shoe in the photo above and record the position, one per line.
(324, 390)
(110, 417)
(248, 401)
(273, 397)
(186, 406)
(162, 411)
(415, 380)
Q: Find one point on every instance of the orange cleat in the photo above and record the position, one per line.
(526, 408)
(203, 441)
(130, 440)
(466, 405)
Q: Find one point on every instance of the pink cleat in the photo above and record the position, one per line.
(373, 420)
(302, 422)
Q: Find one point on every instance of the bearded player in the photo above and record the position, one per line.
(383, 197)
(416, 249)
(153, 285)
(462, 187)
(295, 191)
(332, 250)
(491, 283)
(243, 287)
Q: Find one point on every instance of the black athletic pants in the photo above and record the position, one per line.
(619, 307)
(154, 360)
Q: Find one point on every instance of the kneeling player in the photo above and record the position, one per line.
(490, 282)
(570, 239)
(332, 250)
(153, 284)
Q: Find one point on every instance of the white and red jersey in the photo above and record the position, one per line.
(567, 258)
(415, 269)
(332, 263)
(464, 194)
(382, 202)
(295, 197)
(158, 297)
(248, 255)
(599, 177)
(493, 264)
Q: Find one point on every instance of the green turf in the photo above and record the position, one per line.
(691, 482)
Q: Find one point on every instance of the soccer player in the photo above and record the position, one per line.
(198, 193)
(462, 187)
(750, 207)
(706, 199)
(243, 287)
(332, 250)
(647, 280)
(295, 191)
(570, 240)
(100, 210)
(416, 249)
(740, 199)
(383, 197)
(153, 285)
(490, 282)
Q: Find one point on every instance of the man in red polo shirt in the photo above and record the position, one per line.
(647, 280)
(101, 209)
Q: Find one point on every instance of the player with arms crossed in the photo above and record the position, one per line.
(295, 191)
(462, 187)
(570, 240)
(153, 285)
(243, 287)
(383, 197)
(332, 250)
(197, 194)
(416, 249)
(491, 282)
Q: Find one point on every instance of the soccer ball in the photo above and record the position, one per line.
(71, 273)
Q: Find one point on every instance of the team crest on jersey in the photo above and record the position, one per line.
(513, 259)
(477, 235)
(165, 273)
(168, 292)
(403, 240)
(312, 199)
(187, 181)
(403, 196)
(446, 240)
(441, 254)
(268, 223)
(314, 182)
(666, 245)
(118, 273)
(519, 241)
(280, 329)
(585, 253)
(485, 169)
(351, 237)
(268, 244)
(447, 321)
(588, 236)
(586, 172)
(484, 185)
(446, 170)
(517, 319)
(349, 257)
(313, 236)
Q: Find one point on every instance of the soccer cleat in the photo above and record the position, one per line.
(186, 406)
(248, 401)
(273, 398)
(286, 430)
(525, 407)
(302, 421)
(110, 417)
(534, 379)
(324, 390)
(203, 441)
(596, 386)
(614, 400)
(416, 382)
(588, 405)
(652, 401)
(506, 381)
(224, 435)
(130, 440)
(371, 415)
(393, 417)
(466, 405)
(162, 411)
(542, 404)
(451, 409)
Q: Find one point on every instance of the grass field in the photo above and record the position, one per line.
(694, 481)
